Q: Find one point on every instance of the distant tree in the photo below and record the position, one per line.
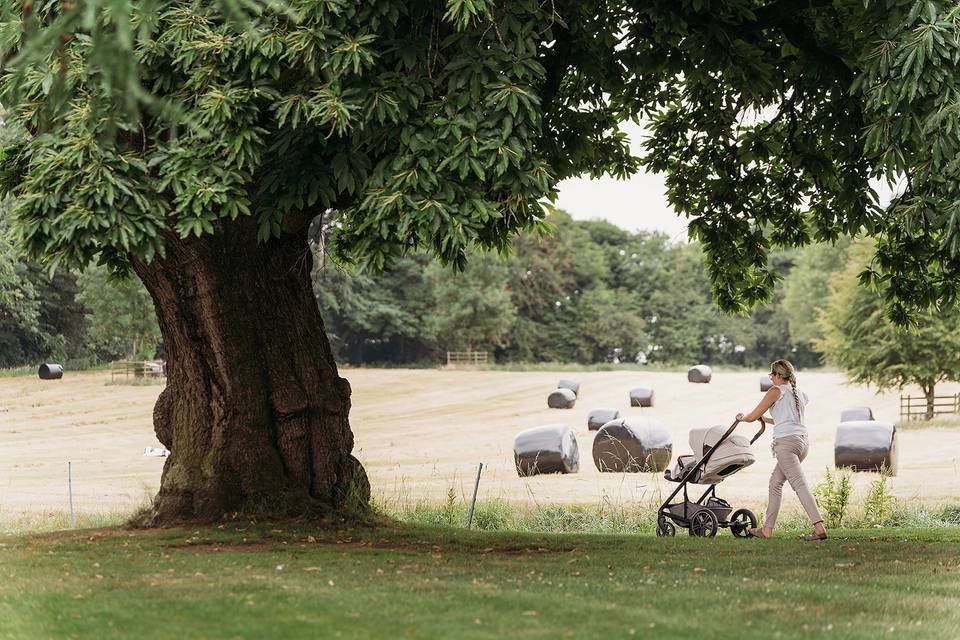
(804, 297)
(383, 317)
(472, 309)
(121, 322)
(858, 338)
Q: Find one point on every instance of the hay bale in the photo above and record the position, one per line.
(641, 397)
(700, 373)
(50, 371)
(866, 445)
(765, 384)
(600, 417)
(856, 414)
(573, 385)
(631, 445)
(548, 449)
(561, 399)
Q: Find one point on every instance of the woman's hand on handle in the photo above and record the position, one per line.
(739, 417)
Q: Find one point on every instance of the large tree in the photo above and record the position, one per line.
(193, 142)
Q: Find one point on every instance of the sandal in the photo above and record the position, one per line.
(757, 532)
(815, 536)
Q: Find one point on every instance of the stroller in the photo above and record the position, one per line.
(717, 454)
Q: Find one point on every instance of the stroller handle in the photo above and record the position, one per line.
(763, 427)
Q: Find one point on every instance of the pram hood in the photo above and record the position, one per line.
(731, 456)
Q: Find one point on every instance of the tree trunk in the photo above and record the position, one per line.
(254, 414)
(929, 393)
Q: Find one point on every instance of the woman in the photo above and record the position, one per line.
(790, 446)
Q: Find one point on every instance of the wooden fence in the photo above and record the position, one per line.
(915, 407)
(467, 357)
(136, 369)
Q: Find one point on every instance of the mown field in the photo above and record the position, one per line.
(246, 580)
(421, 433)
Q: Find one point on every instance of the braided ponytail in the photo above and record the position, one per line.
(785, 369)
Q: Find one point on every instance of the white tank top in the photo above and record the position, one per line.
(787, 422)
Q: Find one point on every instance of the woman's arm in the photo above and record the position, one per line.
(771, 396)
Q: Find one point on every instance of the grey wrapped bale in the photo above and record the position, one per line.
(641, 397)
(600, 417)
(765, 384)
(50, 371)
(548, 449)
(561, 399)
(700, 373)
(573, 385)
(866, 445)
(631, 445)
(856, 414)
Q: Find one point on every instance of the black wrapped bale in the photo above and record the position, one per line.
(600, 417)
(548, 449)
(856, 414)
(50, 371)
(631, 445)
(573, 385)
(641, 397)
(561, 399)
(765, 384)
(701, 373)
(866, 445)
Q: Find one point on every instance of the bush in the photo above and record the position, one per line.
(878, 505)
(833, 496)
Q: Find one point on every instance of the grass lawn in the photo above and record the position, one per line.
(295, 581)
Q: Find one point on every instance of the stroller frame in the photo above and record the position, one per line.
(704, 518)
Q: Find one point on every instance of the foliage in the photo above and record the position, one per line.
(442, 126)
(833, 496)
(473, 307)
(814, 270)
(858, 337)
(120, 319)
(576, 295)
(878, 506)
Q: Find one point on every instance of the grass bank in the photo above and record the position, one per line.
(298, 581)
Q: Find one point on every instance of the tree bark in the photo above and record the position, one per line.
(254, 414)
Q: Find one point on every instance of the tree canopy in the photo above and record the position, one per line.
(442, 127)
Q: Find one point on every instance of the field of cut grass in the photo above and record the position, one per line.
(246, 580)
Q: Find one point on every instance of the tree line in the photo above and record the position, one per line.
(587, 292)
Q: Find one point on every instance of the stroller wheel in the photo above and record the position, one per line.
(703, 524)
(665, 528)
(740, 521)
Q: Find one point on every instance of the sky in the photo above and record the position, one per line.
(636, 203)
(639, 203)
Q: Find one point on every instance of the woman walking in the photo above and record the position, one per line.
(790, 446)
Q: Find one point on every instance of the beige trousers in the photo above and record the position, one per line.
(790, 451)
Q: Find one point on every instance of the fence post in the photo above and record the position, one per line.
(73, 522)
(473, 502)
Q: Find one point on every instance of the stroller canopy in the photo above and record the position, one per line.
(731, 456)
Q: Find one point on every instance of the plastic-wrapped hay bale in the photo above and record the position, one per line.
(765, 384)
(548, 449)
(49, 371)
(561, 399)
(856, 414)
(600, 417)
(631, 445)
(641, 397)
(866, 445)
(573, 385)
(700, 373)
